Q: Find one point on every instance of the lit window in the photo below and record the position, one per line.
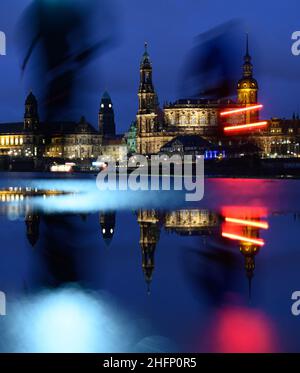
(21, 141)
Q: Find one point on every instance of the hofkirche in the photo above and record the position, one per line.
(154, 129)
(184, 118)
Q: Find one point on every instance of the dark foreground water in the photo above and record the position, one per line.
(91, 271)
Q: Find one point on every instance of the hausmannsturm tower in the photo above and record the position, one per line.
(247, 88)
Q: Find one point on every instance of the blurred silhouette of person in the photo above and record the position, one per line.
(211, 66)
(61, 37)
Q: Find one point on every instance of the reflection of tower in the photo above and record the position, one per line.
(247, 232)
(32, 222)
(31, 117)
(248, 87)
(149, 237)
(108, 223)
(107, 125)
(249, 252)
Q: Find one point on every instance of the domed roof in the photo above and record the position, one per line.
(247, 83)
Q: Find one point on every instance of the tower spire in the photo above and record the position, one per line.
(247, 45)
(247, 67)
(248, 86)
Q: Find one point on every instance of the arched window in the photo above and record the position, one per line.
(202, 120)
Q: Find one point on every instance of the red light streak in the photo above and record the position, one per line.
(251, 223)
(232, 236)
(241, 110)
(245, 126)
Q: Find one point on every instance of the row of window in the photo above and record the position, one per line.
(185, 120)
(82, 141)
(11, 140)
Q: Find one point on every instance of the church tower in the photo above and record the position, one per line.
(147, 120)
(31, 116)
(149, 237)
(147, 96)
(107, 126)
(248, 87)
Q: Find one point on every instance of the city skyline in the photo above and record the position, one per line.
(276, 75)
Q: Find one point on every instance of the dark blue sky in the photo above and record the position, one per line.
(170, 27)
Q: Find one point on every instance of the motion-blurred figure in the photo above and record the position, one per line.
(61, 37)
(211, 66)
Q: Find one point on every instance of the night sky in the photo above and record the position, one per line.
(170, 27)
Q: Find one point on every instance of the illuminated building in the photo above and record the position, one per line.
(281, 138)
(35, 139)
(115, 148)
(23, 139)
(205, 118)
(192, 145)
(72, 140)
(190, 117)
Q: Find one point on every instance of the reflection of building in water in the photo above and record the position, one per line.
(247, 232)
(150, 232)
(249, 252)
(16, 203)
(108, 224)
(191, 222)
(32, 222)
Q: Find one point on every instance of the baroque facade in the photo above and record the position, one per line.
(202, 117)
(60, 140)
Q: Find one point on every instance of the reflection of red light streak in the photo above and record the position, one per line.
(241, 110)
(232, 236)
(246, 126)
(237, 329)
(251, 223)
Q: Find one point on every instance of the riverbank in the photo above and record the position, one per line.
(288, 168)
